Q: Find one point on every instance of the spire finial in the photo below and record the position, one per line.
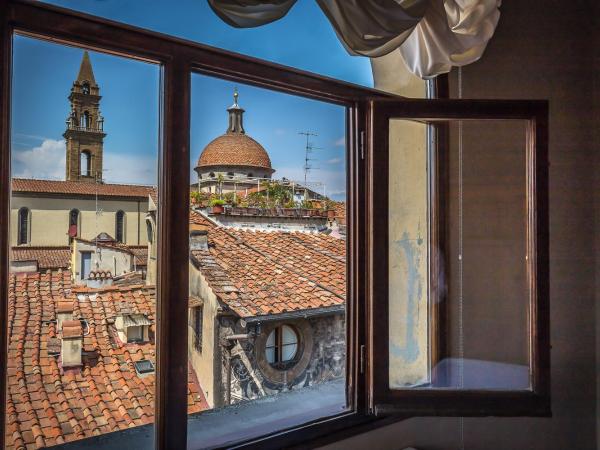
(235, 95)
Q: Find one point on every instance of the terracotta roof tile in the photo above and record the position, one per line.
(47, 257)
(234, 149)
(80, 188)
(49, 405)
(71, 328)
(261, 273)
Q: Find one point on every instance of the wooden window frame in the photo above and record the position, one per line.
(455, 402)
(178, 59)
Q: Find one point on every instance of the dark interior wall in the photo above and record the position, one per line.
(542, 49)
(596, 199)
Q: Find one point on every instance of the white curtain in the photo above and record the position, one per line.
(430, 36)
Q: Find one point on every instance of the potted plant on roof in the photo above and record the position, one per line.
(217, 206)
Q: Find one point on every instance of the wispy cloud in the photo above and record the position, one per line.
(44, 161)
(341, 142)
(334, 161)
(125, 168)
(48, 161)
(279, 131)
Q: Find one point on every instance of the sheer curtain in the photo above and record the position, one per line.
(429, 36)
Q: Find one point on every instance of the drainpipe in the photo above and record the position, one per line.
(138, 223)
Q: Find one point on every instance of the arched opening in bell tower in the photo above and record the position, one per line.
(86, 164)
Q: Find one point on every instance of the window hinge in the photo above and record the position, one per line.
(362, 145)
(362, 359)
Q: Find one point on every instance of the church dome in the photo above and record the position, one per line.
(235, 149)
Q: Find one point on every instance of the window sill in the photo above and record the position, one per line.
(228, 426)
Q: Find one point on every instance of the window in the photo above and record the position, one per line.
(86, 88)
(69, 186)
(149, 231)
(369, 357)
(230, 174)
(120, 226)
(282, 346)
(74, 223)
(24, 226)
(135, 333)
(86, 164)
(144, 366)
(86, 265)
(198, 310)
(211, 175)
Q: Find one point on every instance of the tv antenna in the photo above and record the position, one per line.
(307, 153)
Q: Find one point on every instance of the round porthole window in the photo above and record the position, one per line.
(281, 346)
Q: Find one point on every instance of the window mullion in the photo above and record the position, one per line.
(173, 245)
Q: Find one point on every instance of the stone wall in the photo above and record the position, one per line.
(246, 374)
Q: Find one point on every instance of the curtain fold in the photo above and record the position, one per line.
(430, 36)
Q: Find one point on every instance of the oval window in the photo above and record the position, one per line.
(281, 345)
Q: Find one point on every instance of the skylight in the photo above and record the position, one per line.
(144, 367)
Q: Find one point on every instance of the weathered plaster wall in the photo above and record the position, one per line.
(409, 237)
(117, 262)
(321, 357)
(540, 50)
(50, 219)
(203, 362)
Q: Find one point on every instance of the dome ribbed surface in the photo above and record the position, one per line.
(234, 149)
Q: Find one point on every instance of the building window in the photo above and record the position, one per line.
(85, 163)
(74, 223)
(86, 265)
(282, 345)
(230, 174)
(198, 318)
(135, 334)
(119, 226)
(211, 175)
(86, 88)
(24, 224)
(250, 175)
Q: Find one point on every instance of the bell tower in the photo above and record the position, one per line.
(85, 127)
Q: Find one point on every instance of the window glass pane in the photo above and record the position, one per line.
(81, 308)
(267, 259)
(270, 353)
(288, 335)
(303, 38)
(288, 352)
(481, 288)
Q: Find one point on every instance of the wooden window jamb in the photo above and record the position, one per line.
(382, 399)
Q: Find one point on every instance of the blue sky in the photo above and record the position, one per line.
(44, 72)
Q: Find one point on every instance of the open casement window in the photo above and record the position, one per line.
(459, 258)
(426, 332)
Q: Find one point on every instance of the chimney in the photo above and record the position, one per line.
(198, 237)
(72, 343)
(64, 312)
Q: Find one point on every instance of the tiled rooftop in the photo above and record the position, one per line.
(260, 273)
(49, 405)
(234, 149)
(80, 188)
(47, 257)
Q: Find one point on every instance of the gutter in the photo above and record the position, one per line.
(300, 314)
